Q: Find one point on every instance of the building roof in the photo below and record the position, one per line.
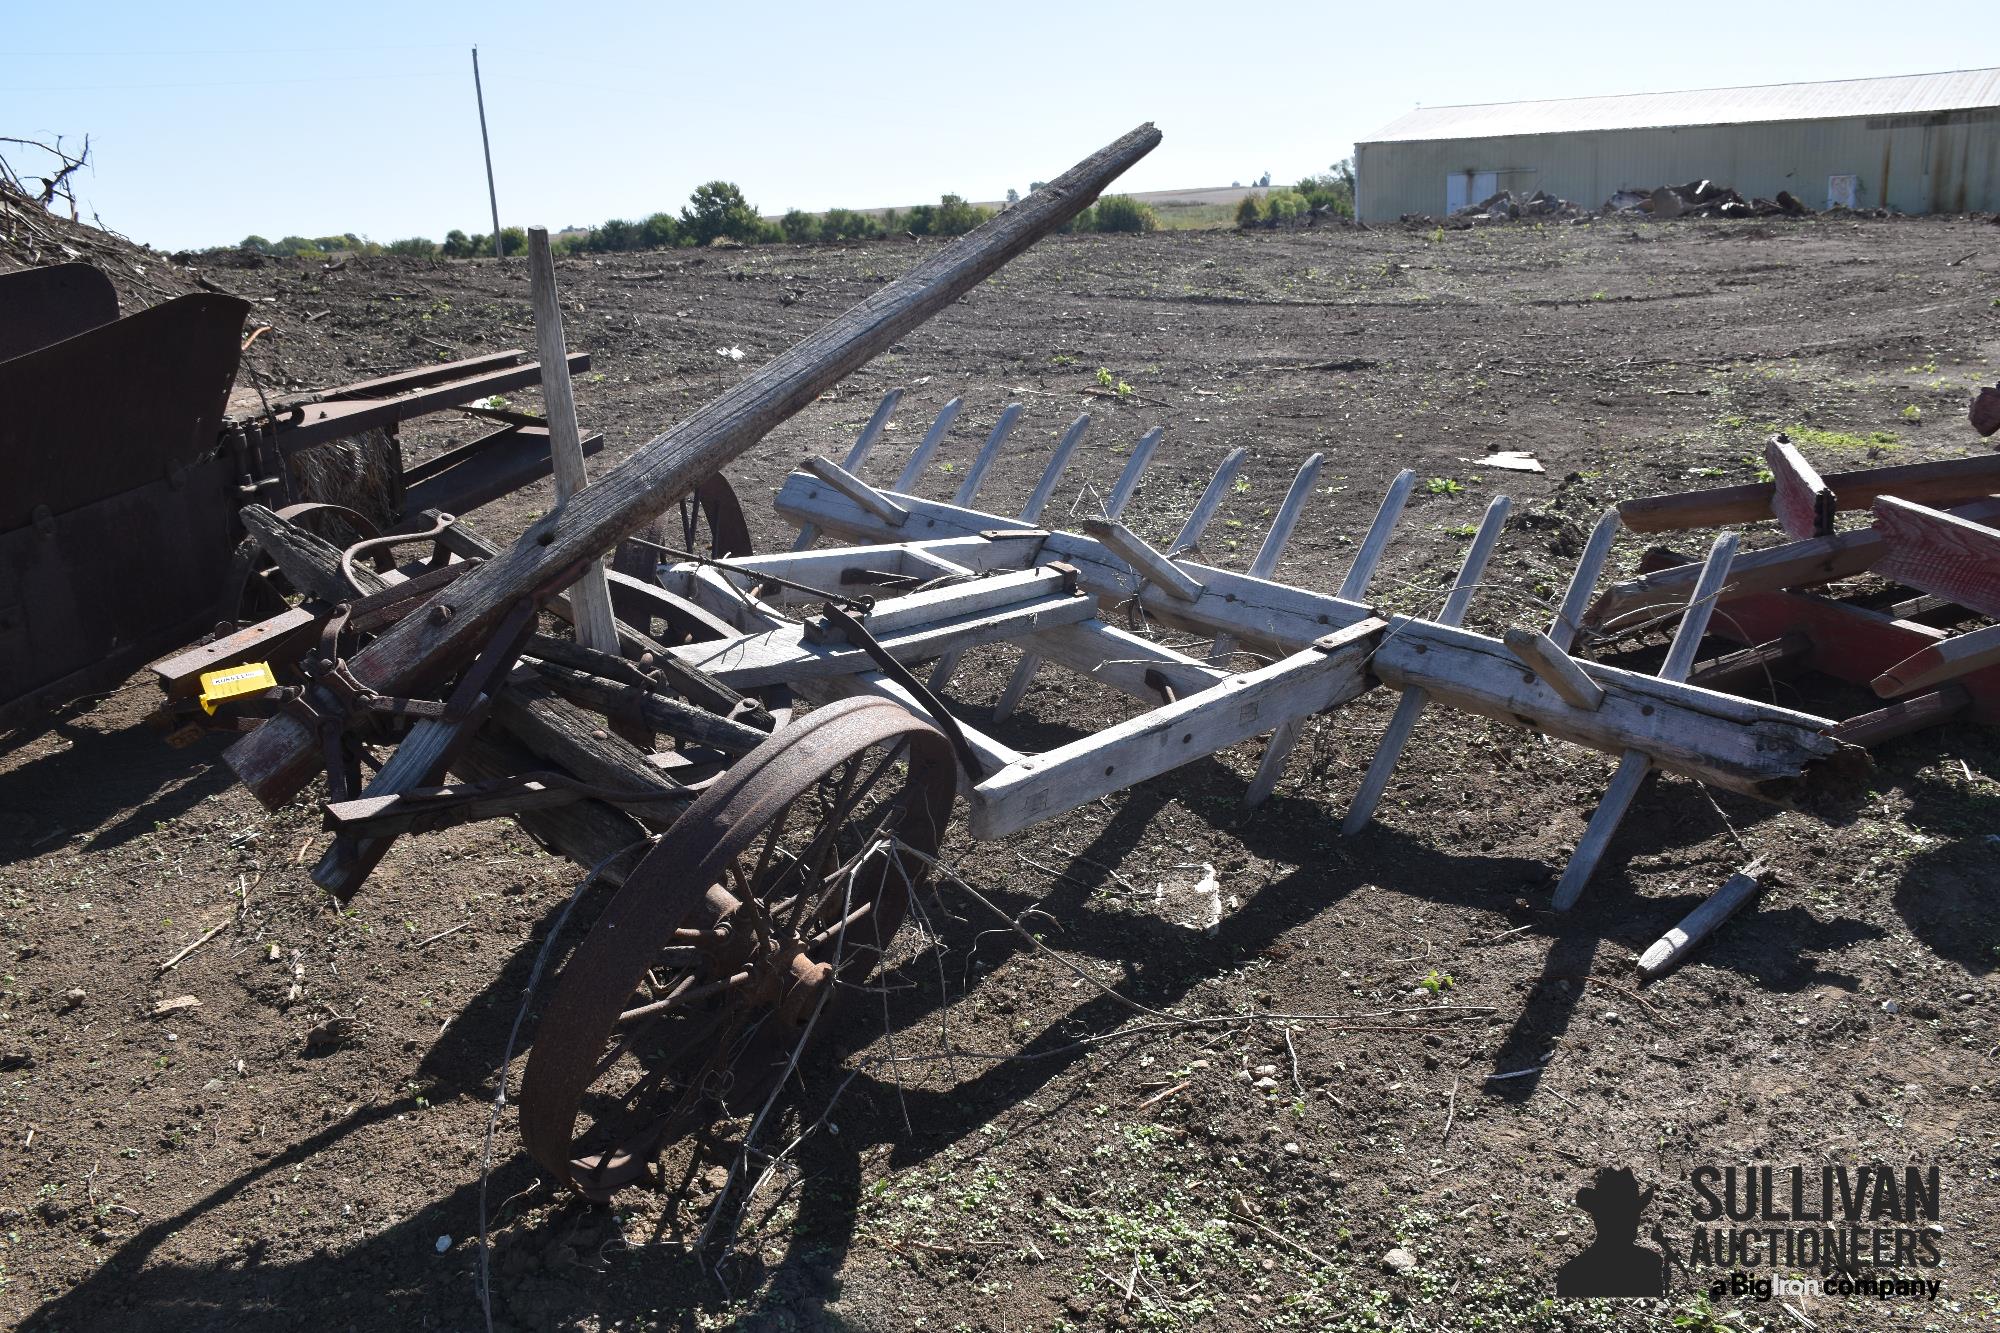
(1903, 95)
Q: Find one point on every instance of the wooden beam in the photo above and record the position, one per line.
(1114, 505)
(1946, 554)
(1148, 563)
(1773, 569)
(975, 476)
(637, 704)
(1410, 707)
(1359, 574)
(1869, 730)
(1583, 580)
(859, 491)
(1753, 665)
(1266, 562)
(1212, 496)
(913, 470)
(1555, 666)
(1802, 503)
(1636, 763)
(857, 453)
(1945, 660)
(280, 639)
(1042, 786)
(589, 595)
(1947, 482)
(1031, 512)
(277, 759)
(309, 562)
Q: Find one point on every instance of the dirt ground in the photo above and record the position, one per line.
(1006, 1145)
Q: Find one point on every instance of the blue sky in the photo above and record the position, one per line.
(209, 121)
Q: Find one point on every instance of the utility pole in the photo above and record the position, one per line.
(492, 197)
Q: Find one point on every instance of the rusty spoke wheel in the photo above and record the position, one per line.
(690, 997)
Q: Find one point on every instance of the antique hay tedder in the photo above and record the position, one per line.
(764, 864)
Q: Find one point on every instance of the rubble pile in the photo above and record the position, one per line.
(1704, 199)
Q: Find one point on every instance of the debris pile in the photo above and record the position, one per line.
(1703, 199)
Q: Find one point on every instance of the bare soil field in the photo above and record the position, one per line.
(1018, 1136)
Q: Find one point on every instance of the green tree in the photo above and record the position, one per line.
(1333, 191)
(845, 224)
(414, 247)
(1247, 212)
(1121, 212)
(457, 245)
(955, 217)
(660, 231)
(1284, 206)
(719, 209)
(799, 226)
(255, 242)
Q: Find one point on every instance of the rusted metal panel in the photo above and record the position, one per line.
(40, 306)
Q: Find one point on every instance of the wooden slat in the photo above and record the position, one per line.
(1905, 716)
(589, 595)
(1031, 512)
(1801, 502)
(1946, 482)
(1945, 554)
(975, 476)
(280, 639)
(1042, 786)
(859, 491)
(1583, 580)
(1114, 505)
(1266, 562)
(1359, 574)
(857, 453)
(1636, 763)
(1410, 708)
(1149, 564)
(1555, 666)
(277, 759)
(913, 470)
(1944, 660)
(1122, 660)
(1212, 496)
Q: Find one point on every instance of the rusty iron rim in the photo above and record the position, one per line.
(746, 967)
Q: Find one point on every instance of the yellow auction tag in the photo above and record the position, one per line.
(231, 682)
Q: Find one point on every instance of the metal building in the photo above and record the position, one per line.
(1921, 143)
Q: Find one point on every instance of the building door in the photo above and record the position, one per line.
(1468, 187)
(1841, 191)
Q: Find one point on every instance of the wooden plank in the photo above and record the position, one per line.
(1031, 512)
(277, 759)
(1114, 505)
(589, 595)
(782, 656)
(1905, 716)
(857, 453)
(1555, 666)
(1410, 708)
(637, 704)
(1212, 496)
(1947, 482)
(935, 605)
(1147, 563)
(1355, 586)
(1264, 614)
(913, 470)
(1583, 580)
(1671, 950)
(1043, 786)
(1944, 660)
(1266, 562)
(1945, 554)
(859, 491)
(587, 832)
(1773, 569)
(1636, 763)
(308, 561)
(1754, 665)
(1802, 503)
(975, 476)
(1123, 660)
(281, 639)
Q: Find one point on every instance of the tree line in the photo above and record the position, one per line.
(1331, 193)
(715, 212)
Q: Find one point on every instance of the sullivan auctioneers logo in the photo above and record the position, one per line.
(1864, 1231)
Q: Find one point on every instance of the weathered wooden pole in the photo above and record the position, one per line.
(279, 758)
